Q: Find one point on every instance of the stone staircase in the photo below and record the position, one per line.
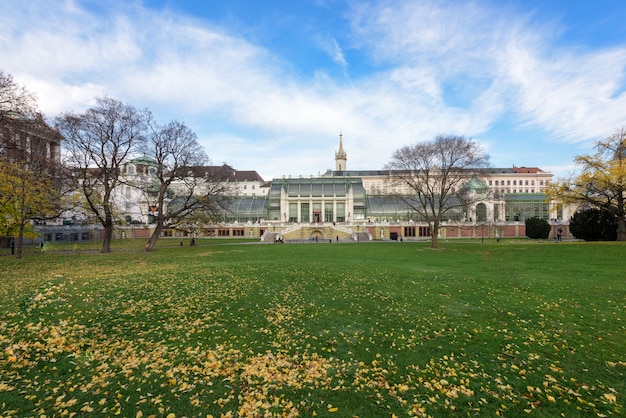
(322, 231)
(269, 237)
(361, 236)
(308, 232)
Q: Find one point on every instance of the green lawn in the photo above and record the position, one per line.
(517, 328)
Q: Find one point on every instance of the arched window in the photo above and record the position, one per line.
(481, 212)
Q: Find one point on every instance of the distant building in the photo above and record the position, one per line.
(242, 183)
(340, 204)
(371, 201)
(135, 201)
(30, 140)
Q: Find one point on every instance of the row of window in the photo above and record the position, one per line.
(132, 170)
(516, 182)
(518, 190)
(221, 232)
(526, 182)
(227, 233)
(60, 236)
(416, 231)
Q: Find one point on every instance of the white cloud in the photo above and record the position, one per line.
(572, 93)
(435, 67)
(576, 96)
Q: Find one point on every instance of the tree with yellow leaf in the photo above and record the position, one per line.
(24, 194)
(30, 179)
(601, 182)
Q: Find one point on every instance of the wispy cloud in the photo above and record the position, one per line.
(334, 51)
(574, 94)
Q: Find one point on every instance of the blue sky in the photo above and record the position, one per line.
(268, 85)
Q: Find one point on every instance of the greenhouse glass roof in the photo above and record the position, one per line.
(316, 187)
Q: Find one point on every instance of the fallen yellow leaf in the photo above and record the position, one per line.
(609, 397)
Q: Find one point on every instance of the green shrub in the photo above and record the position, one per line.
(594, 225)
(537, 228)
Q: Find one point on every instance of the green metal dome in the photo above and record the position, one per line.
(476, 184)
(144, 160)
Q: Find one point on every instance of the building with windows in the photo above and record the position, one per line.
(244, 183)
(344, 203)
(30, 139)
(135, 199)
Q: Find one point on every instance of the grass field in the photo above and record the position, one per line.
(368, 330)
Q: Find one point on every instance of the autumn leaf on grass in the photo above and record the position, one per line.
(610, 397)
(452, 393)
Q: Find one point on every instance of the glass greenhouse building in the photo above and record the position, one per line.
(344, 199)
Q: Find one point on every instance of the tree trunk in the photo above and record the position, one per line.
(20, 235)
(108, 236)
(621, 228)
(20, 242)
(434, 234)
(154, 237)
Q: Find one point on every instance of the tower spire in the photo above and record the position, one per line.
(341, 157)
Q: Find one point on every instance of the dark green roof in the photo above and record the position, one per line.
(476, 184)
(145, 160)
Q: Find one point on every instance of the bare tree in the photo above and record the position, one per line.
(434, 173)
(182, 191)
(15, 100)
(18, 108)
(99, 143)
